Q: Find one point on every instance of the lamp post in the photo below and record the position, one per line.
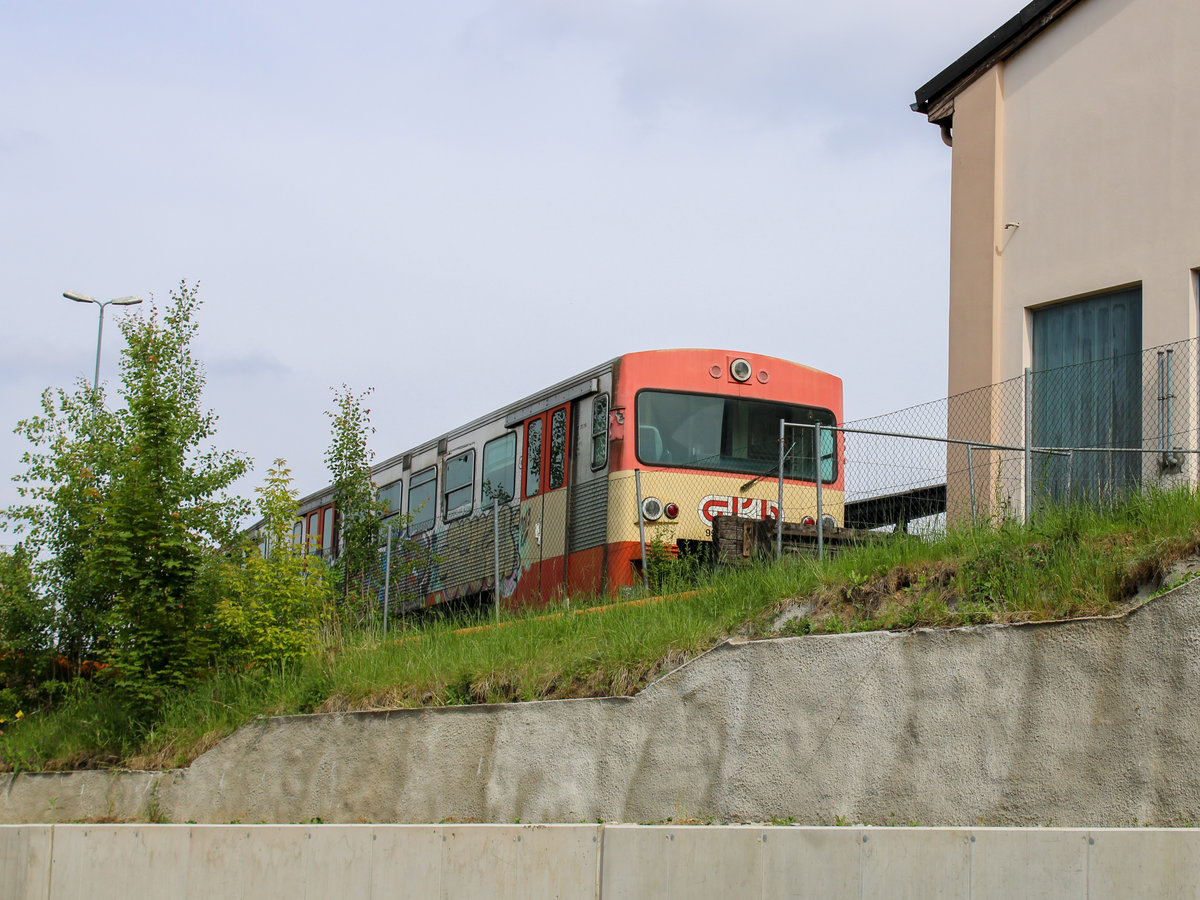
(119, 301)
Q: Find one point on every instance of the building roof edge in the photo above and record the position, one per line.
(933, 96)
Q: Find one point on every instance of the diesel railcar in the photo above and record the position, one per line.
(558, 469)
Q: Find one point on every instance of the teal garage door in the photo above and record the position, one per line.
(1087, 392)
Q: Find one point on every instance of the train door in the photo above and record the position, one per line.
(544, 505)
(319, 532)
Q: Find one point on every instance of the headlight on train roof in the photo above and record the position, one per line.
(740, 369)
(652, 509)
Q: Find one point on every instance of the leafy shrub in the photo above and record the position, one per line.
(270, 605)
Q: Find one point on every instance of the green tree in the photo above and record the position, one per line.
(355, 500)
(272, 603)
(26, 621)
(128, 502)
(166, 502)
(67, 472)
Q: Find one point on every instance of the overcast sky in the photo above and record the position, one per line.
(459, 203)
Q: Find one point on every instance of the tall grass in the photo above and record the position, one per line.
(1067, 562)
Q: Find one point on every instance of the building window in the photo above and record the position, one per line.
(500, 468)
(600, 431)
(422, 505)
(460, 485)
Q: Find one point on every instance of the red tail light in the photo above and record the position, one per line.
(808, 520)
(672, 510)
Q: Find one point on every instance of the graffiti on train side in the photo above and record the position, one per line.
(531, 536)
(462, 557)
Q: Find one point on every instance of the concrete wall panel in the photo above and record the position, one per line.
(1134, 862)
(25, 861)
(114, 862)
(406, 862)
(923, 863)
(338, 860)
(246, 861)
(1037, 864)
(701, 862)
(812, 863)
(506, 861)
(690, 862)
(593, 861)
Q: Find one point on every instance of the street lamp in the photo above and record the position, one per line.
(119, 301)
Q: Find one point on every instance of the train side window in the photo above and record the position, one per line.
(500, 468)
(312, 535)
(460, 485)
(327, 531)
(558, 448)
(422, 503)
(389, 499)
(599, 431)
(533, 456)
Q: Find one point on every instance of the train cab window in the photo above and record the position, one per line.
(558, 448)
(533, 456)
(500, 469)
(422, 502)
(298, 532)
(389, 499)
(599, 431)
(733, 434)
(460, 485)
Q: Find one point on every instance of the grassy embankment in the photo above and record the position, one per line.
(1068, 563)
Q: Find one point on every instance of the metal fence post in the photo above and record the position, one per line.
(637, 484)
(971, 479)
(1162, 399)
(820, 508)
(496, 552)
(387, 578)
(1170, 395)
(1028, 442)
(779, 510)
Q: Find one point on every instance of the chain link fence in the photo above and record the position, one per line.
(1084, 433)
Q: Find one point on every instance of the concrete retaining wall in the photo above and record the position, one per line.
(1086, 723)
(129, 862)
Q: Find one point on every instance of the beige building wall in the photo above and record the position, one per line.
(1089, 138)
(1076, 170)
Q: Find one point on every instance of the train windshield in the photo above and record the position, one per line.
(731, 434)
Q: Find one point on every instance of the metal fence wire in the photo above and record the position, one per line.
(1084, 433)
